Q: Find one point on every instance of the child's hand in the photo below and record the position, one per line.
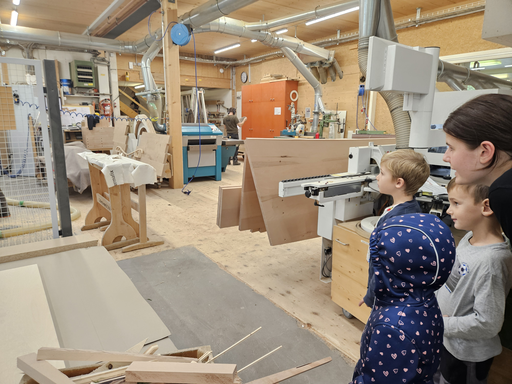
(361, 302)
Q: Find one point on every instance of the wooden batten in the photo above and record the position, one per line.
(157, 372)
(250, 211)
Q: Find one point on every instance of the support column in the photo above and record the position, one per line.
(173, 94)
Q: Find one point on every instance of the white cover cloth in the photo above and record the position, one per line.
(120, 170)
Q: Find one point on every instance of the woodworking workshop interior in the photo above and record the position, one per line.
(200, 191)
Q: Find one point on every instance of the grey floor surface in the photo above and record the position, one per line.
(203, 304)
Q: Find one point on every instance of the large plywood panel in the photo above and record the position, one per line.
(26, 322)
(273, 160)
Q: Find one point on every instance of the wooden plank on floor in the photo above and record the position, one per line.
(156, 372)
(250, 211)
(283, 375)
(47, 247)
(228, 209)
(68, 354)
(273, 160)
(25, 318)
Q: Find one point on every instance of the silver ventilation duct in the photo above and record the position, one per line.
(376, 19)
(319, 106)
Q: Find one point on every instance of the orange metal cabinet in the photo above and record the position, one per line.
(266, 108)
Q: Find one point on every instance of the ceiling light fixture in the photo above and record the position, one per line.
(16, 2)
(14, 18)
(226, 48)
(331, 16)
(477, 69)
(139, 86)
(278, 32)
(508, 66)
(253, 40)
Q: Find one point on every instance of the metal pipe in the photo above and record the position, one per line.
(322, 71)
(319, 106)
(104, 15)
(337, 68)
(386, 28)
(317, 13)
(467, 76)
(154, 100)
(212, 10)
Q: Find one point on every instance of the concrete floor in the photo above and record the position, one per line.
(287, 275)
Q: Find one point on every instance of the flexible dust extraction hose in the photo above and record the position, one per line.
(75, 214)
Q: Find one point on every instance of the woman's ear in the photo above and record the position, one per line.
(487, 151)
(486, 208)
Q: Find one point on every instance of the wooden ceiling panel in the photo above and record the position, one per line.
(74, 16)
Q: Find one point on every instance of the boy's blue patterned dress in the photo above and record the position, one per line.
(412, 256)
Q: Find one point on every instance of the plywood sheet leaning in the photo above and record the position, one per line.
(121, 137)
(273, 160)
(157, 372)
(26, 320)
(155, 149)
(250, 211)
(228, 208)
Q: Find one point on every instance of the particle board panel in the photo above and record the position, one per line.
(228, 208)
(25, 318)
(250, 211)
(7, 117)
(273, 160)
(93, 303)
(160, 372)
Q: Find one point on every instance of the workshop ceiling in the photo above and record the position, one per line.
(74, 16)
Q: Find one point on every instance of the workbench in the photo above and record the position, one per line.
(111, 177)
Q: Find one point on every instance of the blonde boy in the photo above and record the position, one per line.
(402, 173)
(473, 299)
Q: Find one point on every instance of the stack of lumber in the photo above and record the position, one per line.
(147, 368)
(269, 161)
(269, 77)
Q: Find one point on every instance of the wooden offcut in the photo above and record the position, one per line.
(228, 209)
(250, 211)
(41, 371)
(47, 247)
(68, 354)
(160, 372)
(155, 151)
(100, 138)
(273, 160)
(283, 375)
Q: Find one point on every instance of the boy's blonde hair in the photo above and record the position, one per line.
(408, 165)
(478, 192)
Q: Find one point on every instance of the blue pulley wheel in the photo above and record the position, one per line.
(180, 34)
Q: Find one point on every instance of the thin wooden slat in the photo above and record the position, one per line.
(158, 372)
(68, 354)
(273, 160)
(229, 206)
(280, 376)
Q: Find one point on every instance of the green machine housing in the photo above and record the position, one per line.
(83, 74)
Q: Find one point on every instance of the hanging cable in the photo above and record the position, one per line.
(187, 192)
(149, 27)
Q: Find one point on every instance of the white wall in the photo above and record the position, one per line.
(224, 95)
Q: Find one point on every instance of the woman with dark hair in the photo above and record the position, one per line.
(479, 140)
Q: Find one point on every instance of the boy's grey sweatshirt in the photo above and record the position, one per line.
(473, 298)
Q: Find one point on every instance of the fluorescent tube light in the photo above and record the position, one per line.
(16, 2)
(331, 16)
(226, 48)
(253, 40)
(139, 86)
(14, 18)
(477, 69)
(281, 31)
(508, 66)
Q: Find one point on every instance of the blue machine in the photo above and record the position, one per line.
(204, 144)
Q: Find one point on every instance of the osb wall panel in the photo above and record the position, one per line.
(453, 36)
